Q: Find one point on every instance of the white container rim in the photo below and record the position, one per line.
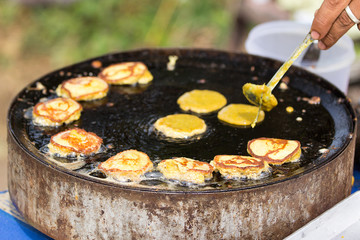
(284, 27)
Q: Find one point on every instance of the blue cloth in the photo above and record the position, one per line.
(356, 186)
(12, 228)
(12, 225)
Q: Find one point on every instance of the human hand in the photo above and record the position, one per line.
(332, 21)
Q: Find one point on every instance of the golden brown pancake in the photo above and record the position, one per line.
(76, 142)
(186, 170)
(56, 112)
(127, 165)
(83, 88)
(201, 101)
(235, 166)
(180, 125)
(274, 151)
(126, 73)
(240, 114)
(145, 78)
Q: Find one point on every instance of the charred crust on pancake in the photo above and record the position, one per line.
(126, 73)
(74, 141)
(83, 88)
(274, 150)
(186, 170)
(236, 166)
(56, 111)
(127, 165)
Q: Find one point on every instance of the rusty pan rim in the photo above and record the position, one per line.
(62, 170)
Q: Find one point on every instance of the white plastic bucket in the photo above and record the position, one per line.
(278, 39)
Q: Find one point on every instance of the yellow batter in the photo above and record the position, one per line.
(180, 125)
(201, 101)
(240, 114)
(268, 100)
(260, 95)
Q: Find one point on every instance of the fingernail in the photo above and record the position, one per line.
(321, 45)
(315, 35)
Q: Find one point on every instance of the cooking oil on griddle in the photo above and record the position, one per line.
(125, 118)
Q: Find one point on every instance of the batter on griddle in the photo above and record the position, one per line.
(180, 125)
(114, 120)
(240, 114)
(201, 101)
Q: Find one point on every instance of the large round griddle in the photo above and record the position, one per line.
(124, 120)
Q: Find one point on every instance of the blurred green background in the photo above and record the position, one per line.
(66, 33)
(39, 36)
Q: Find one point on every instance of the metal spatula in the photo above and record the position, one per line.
(311, 56)
(258, 95)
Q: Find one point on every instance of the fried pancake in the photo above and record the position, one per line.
(127, 165)
(56, 112)
(201, 101)
(126, 73)
(235, 166)
(83, 88)
(240, 114)
(76, 142)
(274, 151)
(180, 125)
(145, 78)
(186, 170)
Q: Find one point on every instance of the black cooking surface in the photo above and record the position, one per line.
(124, 118)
